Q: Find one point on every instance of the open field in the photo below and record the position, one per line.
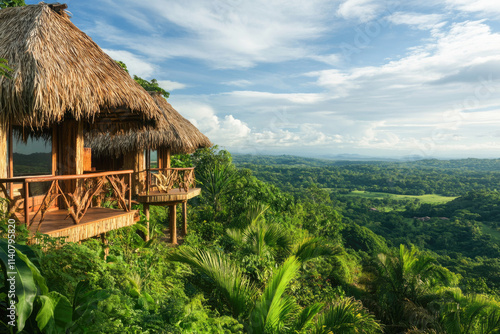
(494, 233)
(431, 199)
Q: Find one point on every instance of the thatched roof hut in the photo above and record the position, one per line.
(59, 73)
(173, 132)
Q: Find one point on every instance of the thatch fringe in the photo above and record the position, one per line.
(59, 73)
(173, 131)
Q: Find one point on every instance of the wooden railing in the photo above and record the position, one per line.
(77, 193)
(166, 179)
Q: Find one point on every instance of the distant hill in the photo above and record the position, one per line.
(32, 164)
(470, 164)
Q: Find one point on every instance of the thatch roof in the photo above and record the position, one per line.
(173, 131)
(60, 73)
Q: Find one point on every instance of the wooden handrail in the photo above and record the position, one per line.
(173, 168)
(33, 179)
(30, 179)
(184, 177)
(80, 176)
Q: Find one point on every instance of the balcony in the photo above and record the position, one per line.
(70, 206)
(168, 186)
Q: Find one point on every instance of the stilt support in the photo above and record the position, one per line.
(184, 218)
(173, 223)
(105, 244)
(146, 212)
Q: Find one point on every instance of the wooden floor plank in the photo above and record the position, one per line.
(96, 221)
(174, 195)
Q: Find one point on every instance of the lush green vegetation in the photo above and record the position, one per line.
(429, 198)
(289, 251)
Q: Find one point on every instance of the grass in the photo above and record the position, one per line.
(430, 198)
(494, 233)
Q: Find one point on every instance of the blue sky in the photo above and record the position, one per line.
(370, 77)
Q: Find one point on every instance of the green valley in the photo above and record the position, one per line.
(287, 245)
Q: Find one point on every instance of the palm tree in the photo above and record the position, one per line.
(270, 310)
(261, 238)
(404, 279)
(216, 181)
(470, 314)
(347, 316)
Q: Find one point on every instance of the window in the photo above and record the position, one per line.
(32, 157)
(153, 159)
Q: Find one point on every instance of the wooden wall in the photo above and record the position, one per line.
(163, 157)
(135, 161)
(69, 150)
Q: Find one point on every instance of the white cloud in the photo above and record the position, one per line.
(456, 60)
(298, 98)
(362, 10)
(420, 21)
(238, 83)
(223, 33)
(331, 59)
(171, 85)
(135, 64)
(484, 6)
(220, 130)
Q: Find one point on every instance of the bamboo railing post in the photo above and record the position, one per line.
(184, 218)
(129, 191)
(26, 204)
(173, 224)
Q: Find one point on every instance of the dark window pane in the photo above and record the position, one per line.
(31, 157)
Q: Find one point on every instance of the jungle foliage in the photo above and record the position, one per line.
(279, 247)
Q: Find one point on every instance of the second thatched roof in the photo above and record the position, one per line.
(173, 131)
(60, 73)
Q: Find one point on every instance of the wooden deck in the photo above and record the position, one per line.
(95, 222)
(173, 196)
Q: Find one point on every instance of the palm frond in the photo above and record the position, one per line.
(307, 315)
(310, 248)
(228, 277)
(345, 317)
(271, 308)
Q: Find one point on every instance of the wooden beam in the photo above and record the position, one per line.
(184, 218)
(172, 213)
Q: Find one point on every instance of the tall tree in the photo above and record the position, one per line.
(150, 86)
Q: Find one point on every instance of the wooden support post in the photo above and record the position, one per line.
(172, 215)
(184, 218)
(130, 192)
(146, 212)
(4, 151)
(167, 159)
(26, 204)
(148, 167)
(11, 161)
(105, 244)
